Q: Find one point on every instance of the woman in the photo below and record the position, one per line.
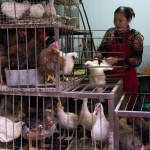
(123, 46)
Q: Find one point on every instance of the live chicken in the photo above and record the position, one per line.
(3, 63)
(128, 140)
(67, 63)
(14, 10)
(50, 9)
(97, 75)
(40, 129)
(47, 61)
(36, 11)
(23, 55)
(48, 58)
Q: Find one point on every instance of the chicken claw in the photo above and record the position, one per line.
(51, 78)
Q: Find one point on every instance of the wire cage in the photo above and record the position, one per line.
(22, 47)
(42, 121)
(132, 125)
(25, 60)
(22, 80)
(18, 13)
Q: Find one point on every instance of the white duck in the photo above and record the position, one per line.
(86, 119)
(14, 10)
(100, 129)
(9, 130)
(66, 120)
(36, 11)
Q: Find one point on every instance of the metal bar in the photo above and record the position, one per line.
(129, 114)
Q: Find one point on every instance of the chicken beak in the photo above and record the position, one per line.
(57, 50)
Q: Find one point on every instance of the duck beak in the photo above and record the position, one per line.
(142, 148)
(59, 105)
(95, 112)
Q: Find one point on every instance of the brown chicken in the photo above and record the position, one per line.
(142, 127)
(3, 63)
(18, 36)
(40, 129)
(24, 54)
(15, 107)
(47, 62)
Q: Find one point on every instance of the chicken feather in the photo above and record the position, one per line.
(36, 11)
(40, 129)
(100, 129)
(66, 120)
(46, 61)
(14, 10)
(9, 130)
(128, 140)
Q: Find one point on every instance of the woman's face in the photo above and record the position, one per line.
(120, 21)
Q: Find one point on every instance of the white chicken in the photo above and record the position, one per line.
(69, 60)
(50, 9)
(100, 129)
(97, 75)
(9, 130)
(36, 11)
(66, 120)
(14, 10)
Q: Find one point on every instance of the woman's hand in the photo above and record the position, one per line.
(98, 55)
(112, 60)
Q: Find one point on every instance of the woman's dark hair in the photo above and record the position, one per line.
(128, 12)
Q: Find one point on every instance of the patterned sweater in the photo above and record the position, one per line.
(134, 40)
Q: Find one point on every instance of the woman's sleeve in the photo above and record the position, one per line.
(136, 46)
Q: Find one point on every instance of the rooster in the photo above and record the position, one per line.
(47, 59)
